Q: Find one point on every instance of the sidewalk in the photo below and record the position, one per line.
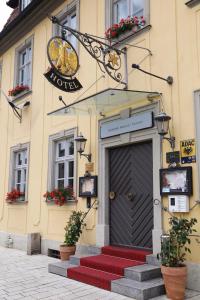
(27, 277)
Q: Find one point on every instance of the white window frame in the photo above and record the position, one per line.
(24, 4)
(53, 158)
(27, 65)
(24, 167)
(65, 15)
(109, 14)
(1, 72)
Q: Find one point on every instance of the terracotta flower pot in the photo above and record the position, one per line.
(66, 251)
(175, 281)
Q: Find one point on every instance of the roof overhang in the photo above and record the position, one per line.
(34, 13)
(107, 101)
(13, 3)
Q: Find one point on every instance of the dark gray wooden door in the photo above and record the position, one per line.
(131, 210)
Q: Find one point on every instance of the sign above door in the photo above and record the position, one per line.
(137, 122)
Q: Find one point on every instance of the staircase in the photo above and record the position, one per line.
(119, 270)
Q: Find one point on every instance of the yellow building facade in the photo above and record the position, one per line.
(167, 44)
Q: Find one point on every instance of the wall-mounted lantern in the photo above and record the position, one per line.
(80, 146)
(162, 123)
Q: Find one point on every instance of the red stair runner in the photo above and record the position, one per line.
(101, 269)
(93, 277)
(134, 254)
(111, 264)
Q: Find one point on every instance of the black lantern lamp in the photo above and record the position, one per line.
(80, 146)
(162, 123)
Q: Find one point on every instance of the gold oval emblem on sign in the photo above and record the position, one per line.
(62, 56)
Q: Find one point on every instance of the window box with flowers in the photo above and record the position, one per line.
(18, 90)
(125, 26)
(60, 196)
(15, 196)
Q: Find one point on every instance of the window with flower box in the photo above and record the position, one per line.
(69, 17)
(23, 68)
(127, 10)
(62, 162)
(19, 170)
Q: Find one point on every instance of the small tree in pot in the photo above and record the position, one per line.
(173, 254)
(73, 231)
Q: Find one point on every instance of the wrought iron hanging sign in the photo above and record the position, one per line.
(64, 60)
(64, 65)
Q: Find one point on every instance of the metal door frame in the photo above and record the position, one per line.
(102, 230)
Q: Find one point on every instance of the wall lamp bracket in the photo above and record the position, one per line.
(171, 140)
(169, 79)
(88, 156)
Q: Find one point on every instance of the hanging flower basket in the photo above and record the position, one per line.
(14, 196)
(17, 90)
(129, 24)
(59, 196)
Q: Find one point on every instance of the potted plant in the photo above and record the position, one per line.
(174, 247)
(73, 231)
(18, 89)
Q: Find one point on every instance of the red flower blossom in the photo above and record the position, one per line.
(59, 196)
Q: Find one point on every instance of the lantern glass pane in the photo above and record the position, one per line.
(162, 126)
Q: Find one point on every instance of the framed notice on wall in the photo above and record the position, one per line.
(176, 181)
(88, 186)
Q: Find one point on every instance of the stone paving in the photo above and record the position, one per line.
(26, 277)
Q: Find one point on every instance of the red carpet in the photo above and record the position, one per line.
(101, 269)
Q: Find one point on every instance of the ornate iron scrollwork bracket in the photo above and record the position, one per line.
(105, 55)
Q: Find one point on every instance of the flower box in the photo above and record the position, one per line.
(129, 24)
(18, 90)
(15, 196)
(59, 196)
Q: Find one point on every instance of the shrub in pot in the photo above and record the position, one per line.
(73, 231)
(174, 247)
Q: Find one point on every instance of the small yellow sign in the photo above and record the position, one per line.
(188, 151)
(89, 167)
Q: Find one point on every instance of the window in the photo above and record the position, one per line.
(0, 75)
(24, 4)
(62, 162)
(69, 17)
(19, 168)
(23, 69)
(70, 21)
(125, 8)
(121, 9)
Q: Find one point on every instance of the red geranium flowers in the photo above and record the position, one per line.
(17, 90)
(13, 196)
(59, 196)
(130, 23)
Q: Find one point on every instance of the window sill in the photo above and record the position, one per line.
(128, 35)
(18, 202)
(192, 3)
(21, 95)
(68, 202)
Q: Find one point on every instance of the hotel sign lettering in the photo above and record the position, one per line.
(138, 121)
(64, 65)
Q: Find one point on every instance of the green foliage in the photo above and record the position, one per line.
(175, 245)
(74, 228)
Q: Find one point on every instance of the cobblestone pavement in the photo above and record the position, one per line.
(27, 277)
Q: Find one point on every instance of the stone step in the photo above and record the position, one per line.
(75, 259)
(60, 268)
(138, 290)
(142, 272)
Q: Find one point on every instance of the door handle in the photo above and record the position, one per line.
(112, 195)
(130, 196)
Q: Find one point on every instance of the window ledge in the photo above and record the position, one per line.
(21, 95)
(17, 202)
(68, 202)
(192, 3)
(128, 35)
